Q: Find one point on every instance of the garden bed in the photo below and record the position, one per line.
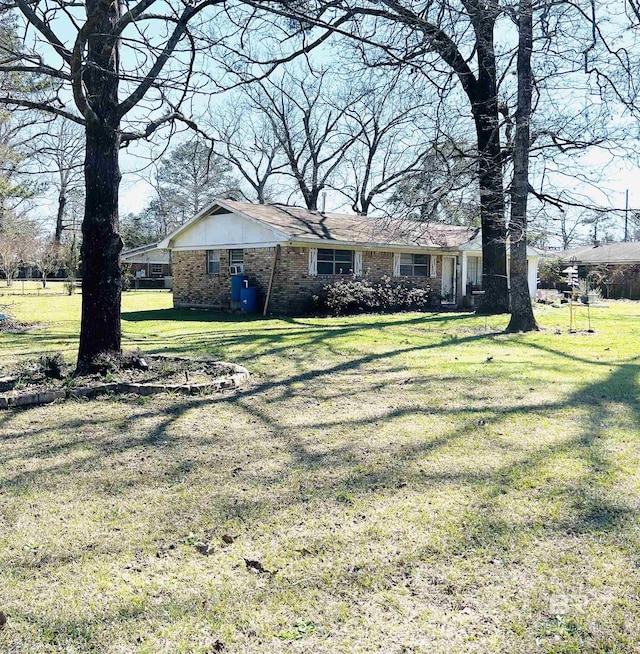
(49, 378)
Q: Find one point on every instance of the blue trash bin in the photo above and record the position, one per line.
(237, 284)
(249, 299)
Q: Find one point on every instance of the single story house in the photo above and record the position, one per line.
(291, 253)
(614, 267)
(148, 261)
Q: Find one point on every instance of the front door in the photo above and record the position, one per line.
(448, 280)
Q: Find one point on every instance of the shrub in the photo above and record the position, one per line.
(127, 276)
(348, 296)
(51, 365)
(107, 363)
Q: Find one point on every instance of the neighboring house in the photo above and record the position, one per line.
(296, 252)
(615, 267)
(148, 261)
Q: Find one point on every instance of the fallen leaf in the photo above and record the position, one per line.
(227, 539)
(256, 565)
(3, 620)
(203, 548)
(218, 646)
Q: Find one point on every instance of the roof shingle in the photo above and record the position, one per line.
(306, 225)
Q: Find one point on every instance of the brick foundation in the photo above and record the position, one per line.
(293, 287)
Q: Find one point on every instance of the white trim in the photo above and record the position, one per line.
(375, 247)
(396, 264)
(463, 275)
(357, 263)
(532, 275)
(229, 246)
(433, 271)
(127, 260)
(454, 281)
(207, 212)
(313, 261)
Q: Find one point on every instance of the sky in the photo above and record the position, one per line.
(608, 189)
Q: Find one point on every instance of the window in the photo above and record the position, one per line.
(335, 262)
(414, 265)
(474, 271)
(213, 262)
(236, 257)
(156, 269)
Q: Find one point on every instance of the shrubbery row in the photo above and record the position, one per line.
(348, 296)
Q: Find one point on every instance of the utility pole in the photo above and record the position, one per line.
(626, 216)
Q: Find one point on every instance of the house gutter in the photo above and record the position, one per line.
(387, 247)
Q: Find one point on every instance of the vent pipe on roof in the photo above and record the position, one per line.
(323, 202)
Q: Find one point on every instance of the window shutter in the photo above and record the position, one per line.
(357, 263)
(313, 261)
(432, 266)
(396, 264)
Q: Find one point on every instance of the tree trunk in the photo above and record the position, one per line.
(100, 330)
(494, 232)
(101, 245)
(62, 202)
(522, 318)
(484, 105)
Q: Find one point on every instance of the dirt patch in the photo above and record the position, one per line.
(50, 372)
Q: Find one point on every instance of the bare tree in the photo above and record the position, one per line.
(61, 152)
(16, 236)
(444, 189)
(248, 142)
(312, 132)
(522, 318)
(392, 140)
(47, 257)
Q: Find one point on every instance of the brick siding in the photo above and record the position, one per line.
(293, 287)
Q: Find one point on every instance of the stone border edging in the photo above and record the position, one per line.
(236, 380)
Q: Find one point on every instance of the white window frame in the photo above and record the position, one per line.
(413, 265)
(213, 257)
(155, 269)
(476, 263)
(236, 257)
(335, 264)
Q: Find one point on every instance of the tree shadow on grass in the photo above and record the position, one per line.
(592, 508)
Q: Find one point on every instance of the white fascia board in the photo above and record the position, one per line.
(206, 212)
(350, 245)
(229, 246)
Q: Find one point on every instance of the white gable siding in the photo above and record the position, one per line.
(225, 231)
(150, 256)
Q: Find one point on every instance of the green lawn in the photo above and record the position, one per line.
(412, 483)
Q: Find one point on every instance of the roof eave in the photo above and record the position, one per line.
(308, 242)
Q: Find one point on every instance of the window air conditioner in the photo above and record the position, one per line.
(236, 270)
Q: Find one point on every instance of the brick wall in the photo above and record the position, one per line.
(193, 286)
(293, 287)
